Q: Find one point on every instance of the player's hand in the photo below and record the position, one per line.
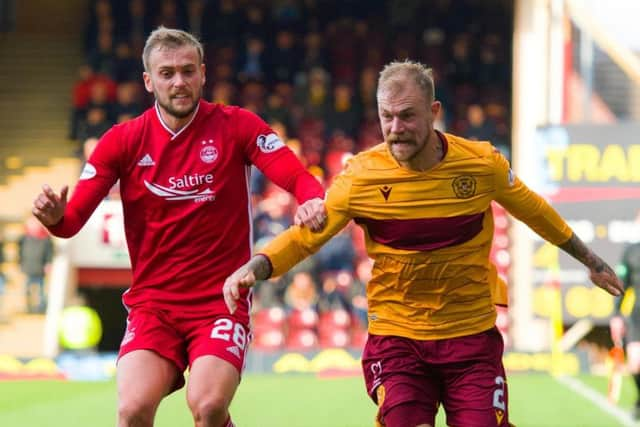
(616, 325)
(49, 207)
(241, 278)
(311, 214)
(605, 278)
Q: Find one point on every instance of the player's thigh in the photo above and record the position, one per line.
(475, 392)
(217, 351)
(144, 378)
(212, 380)
(406, 390)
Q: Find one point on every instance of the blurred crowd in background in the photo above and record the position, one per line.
(309, 68)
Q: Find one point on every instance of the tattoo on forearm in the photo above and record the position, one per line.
(261, 267)
(577, 249)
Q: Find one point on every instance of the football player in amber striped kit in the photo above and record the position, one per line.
(424, 199)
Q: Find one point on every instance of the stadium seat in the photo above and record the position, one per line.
(301, 339)
(268, 328)
(268, 318)
(334, 319)
(333, 328)
(268, 339)
(302, 319)
(334, 338)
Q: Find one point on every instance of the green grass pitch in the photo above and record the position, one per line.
(272, 400)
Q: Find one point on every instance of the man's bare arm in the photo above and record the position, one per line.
(601, 273)
(257, 268)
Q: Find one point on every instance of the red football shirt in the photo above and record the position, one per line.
(186, 200)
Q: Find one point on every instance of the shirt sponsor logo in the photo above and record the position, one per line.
(173, 192)
(269, 143)
(208, 153)
(88, 172)
(146, 160)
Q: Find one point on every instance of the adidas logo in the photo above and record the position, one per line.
(146, 161)
(234, 350)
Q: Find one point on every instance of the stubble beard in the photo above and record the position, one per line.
(178, 114)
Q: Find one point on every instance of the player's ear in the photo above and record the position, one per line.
(435, 108)
(148, 85)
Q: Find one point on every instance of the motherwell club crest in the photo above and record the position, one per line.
(464, 186)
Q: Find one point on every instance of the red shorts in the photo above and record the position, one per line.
(409, 378)
(183, 340)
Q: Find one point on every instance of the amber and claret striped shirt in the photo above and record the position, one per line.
(429, 234)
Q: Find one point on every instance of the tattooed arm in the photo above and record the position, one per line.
(600, 273)
(257, 268)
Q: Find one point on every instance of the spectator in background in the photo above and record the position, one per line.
(284, 58)
(103, 57)
(343, 114)
(312, 96)
(315, 54)
(223, 92)
(171, 15)
(81, 96)
(629, 329)
(101, 20)
(126, 66)
(252, 63)
(127, 105)
(134, 22)
(302, 293)
(35, 252)
(479, 128)
(276, 111)
(195, 17)
(95, 124)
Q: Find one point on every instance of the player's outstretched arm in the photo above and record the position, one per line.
(49, 207)
(257, 268)
(600, 273)
(312, 214)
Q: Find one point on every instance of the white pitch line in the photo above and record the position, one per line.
(598, 399)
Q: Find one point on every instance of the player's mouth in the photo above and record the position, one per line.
(403, 143)
(181, 96)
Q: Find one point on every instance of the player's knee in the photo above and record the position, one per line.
(135, 413)
(209, 408)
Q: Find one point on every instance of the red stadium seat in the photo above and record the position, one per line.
(268, 318)
(267, 339)
(333, 328)
(334, 319)
(335, 338)
(268, 328)
(302, 319)
(301, 339)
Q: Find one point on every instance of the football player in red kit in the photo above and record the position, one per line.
(184, 168)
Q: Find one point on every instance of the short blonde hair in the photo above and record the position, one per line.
(167, 37)
(396, 73)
